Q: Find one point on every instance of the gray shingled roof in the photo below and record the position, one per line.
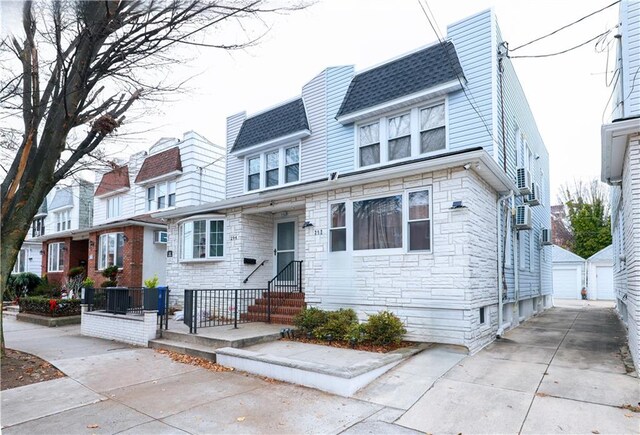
(272, 124)
(561, 255)
(605, 254)
(63, 198)
(423, 69)
(42, 210)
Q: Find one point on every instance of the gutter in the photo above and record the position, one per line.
(485, 166)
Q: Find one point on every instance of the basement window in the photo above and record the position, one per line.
(482, 315)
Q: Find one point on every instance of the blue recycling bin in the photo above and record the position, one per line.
(162, 297)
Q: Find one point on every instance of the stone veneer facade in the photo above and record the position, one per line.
(438, 295)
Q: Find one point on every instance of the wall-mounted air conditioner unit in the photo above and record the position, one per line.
(160, 237)
(523, 180)
(545, 237)
(523, 217)
(534, 197)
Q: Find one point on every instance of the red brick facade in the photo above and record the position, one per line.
(74, 254)
(131, 273)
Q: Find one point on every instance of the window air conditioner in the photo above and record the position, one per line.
(534, 197)
(523, 217)
(523, 180)
(160, 237)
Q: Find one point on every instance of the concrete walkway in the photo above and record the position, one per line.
(560, 372)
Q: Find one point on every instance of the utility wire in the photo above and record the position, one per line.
(560, 52)
(566, 26)
(456, 72)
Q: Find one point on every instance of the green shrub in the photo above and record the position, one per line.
(47, 289)
(111, 273)
(88, 283)
(51, 307)
(109, 283)
(339, 324)
(384, 328)
(151, 282)
(75, 271)
(309, 319)
(25, 283)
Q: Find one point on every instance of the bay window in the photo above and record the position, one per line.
(273, 168)
(21, 261)
(161, 196)
(401, 222)
(420, 131)
(111, 250)
(202, 239)
(114, 206)
(55, 260)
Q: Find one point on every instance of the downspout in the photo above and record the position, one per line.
(516, 272)
(501, 260)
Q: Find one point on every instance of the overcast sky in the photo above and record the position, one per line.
(567, 93)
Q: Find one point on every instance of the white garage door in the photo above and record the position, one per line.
(604, 283)
(566, 284)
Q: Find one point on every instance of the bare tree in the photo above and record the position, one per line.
(75, 72)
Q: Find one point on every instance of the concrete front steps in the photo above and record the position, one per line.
(284, 307)
(208, 340)
(11, 310)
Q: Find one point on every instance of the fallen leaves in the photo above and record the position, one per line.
(92, 426)
(632, 408)
(195, 361)
(240, 419)
(542, 395)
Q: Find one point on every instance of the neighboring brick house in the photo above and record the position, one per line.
(173, 173)
(394, 189)
(621, 169)
(63, 229)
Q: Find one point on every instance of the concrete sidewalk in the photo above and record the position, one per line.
(560, 372)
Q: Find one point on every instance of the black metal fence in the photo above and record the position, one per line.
(289, 279)
(216, 307)
(129, 300)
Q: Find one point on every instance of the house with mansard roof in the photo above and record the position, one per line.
(418, 186)
(173, 173)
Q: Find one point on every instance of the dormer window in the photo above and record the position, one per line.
(273, 168)
(421, 130)
(63, 220)
(161, 196)
(114, 206)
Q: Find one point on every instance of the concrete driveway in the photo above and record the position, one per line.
(560, 372)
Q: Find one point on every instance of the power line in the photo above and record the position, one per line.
(560, 52)
(566, 26)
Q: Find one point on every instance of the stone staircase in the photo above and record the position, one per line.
(284, 307)
(11, 310)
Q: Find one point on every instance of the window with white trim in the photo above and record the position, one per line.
(273, 168)
(161, 195)
(63, 220)
(202, 239)
(21, 261)
(380, 223)
(420, 131)
(55, 257)
(338, 228)
(37, 227)
(111, 250)
(532, 245)
(114, 206)
(521, 251)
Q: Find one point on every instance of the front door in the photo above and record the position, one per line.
(284, 244)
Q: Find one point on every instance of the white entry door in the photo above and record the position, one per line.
(604, 283)
(284, 244)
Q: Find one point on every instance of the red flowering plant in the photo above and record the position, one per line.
(53, 304)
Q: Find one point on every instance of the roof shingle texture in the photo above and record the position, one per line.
(278, 122)
(160, 164)
(62, 198)
(423, 69)
(113, 180)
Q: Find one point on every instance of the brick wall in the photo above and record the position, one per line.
(56, 277)
(136, 330)
(131, 273)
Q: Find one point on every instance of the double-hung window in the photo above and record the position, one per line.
(111, 250)
(399, 131)
(202, 239)
(55, 258)
(63, 220)
(419, 221)
(114, 206)
(161, 196)
(338, 229)
(369, 144)
(273, 168)
(432, 129)
(37, 228)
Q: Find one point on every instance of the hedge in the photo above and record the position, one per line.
(50, 307)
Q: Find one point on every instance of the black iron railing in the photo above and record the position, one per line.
(129, 300)
(216, 307)
(288, 280)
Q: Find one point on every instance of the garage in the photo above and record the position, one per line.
(600, 275)
(568, 274)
